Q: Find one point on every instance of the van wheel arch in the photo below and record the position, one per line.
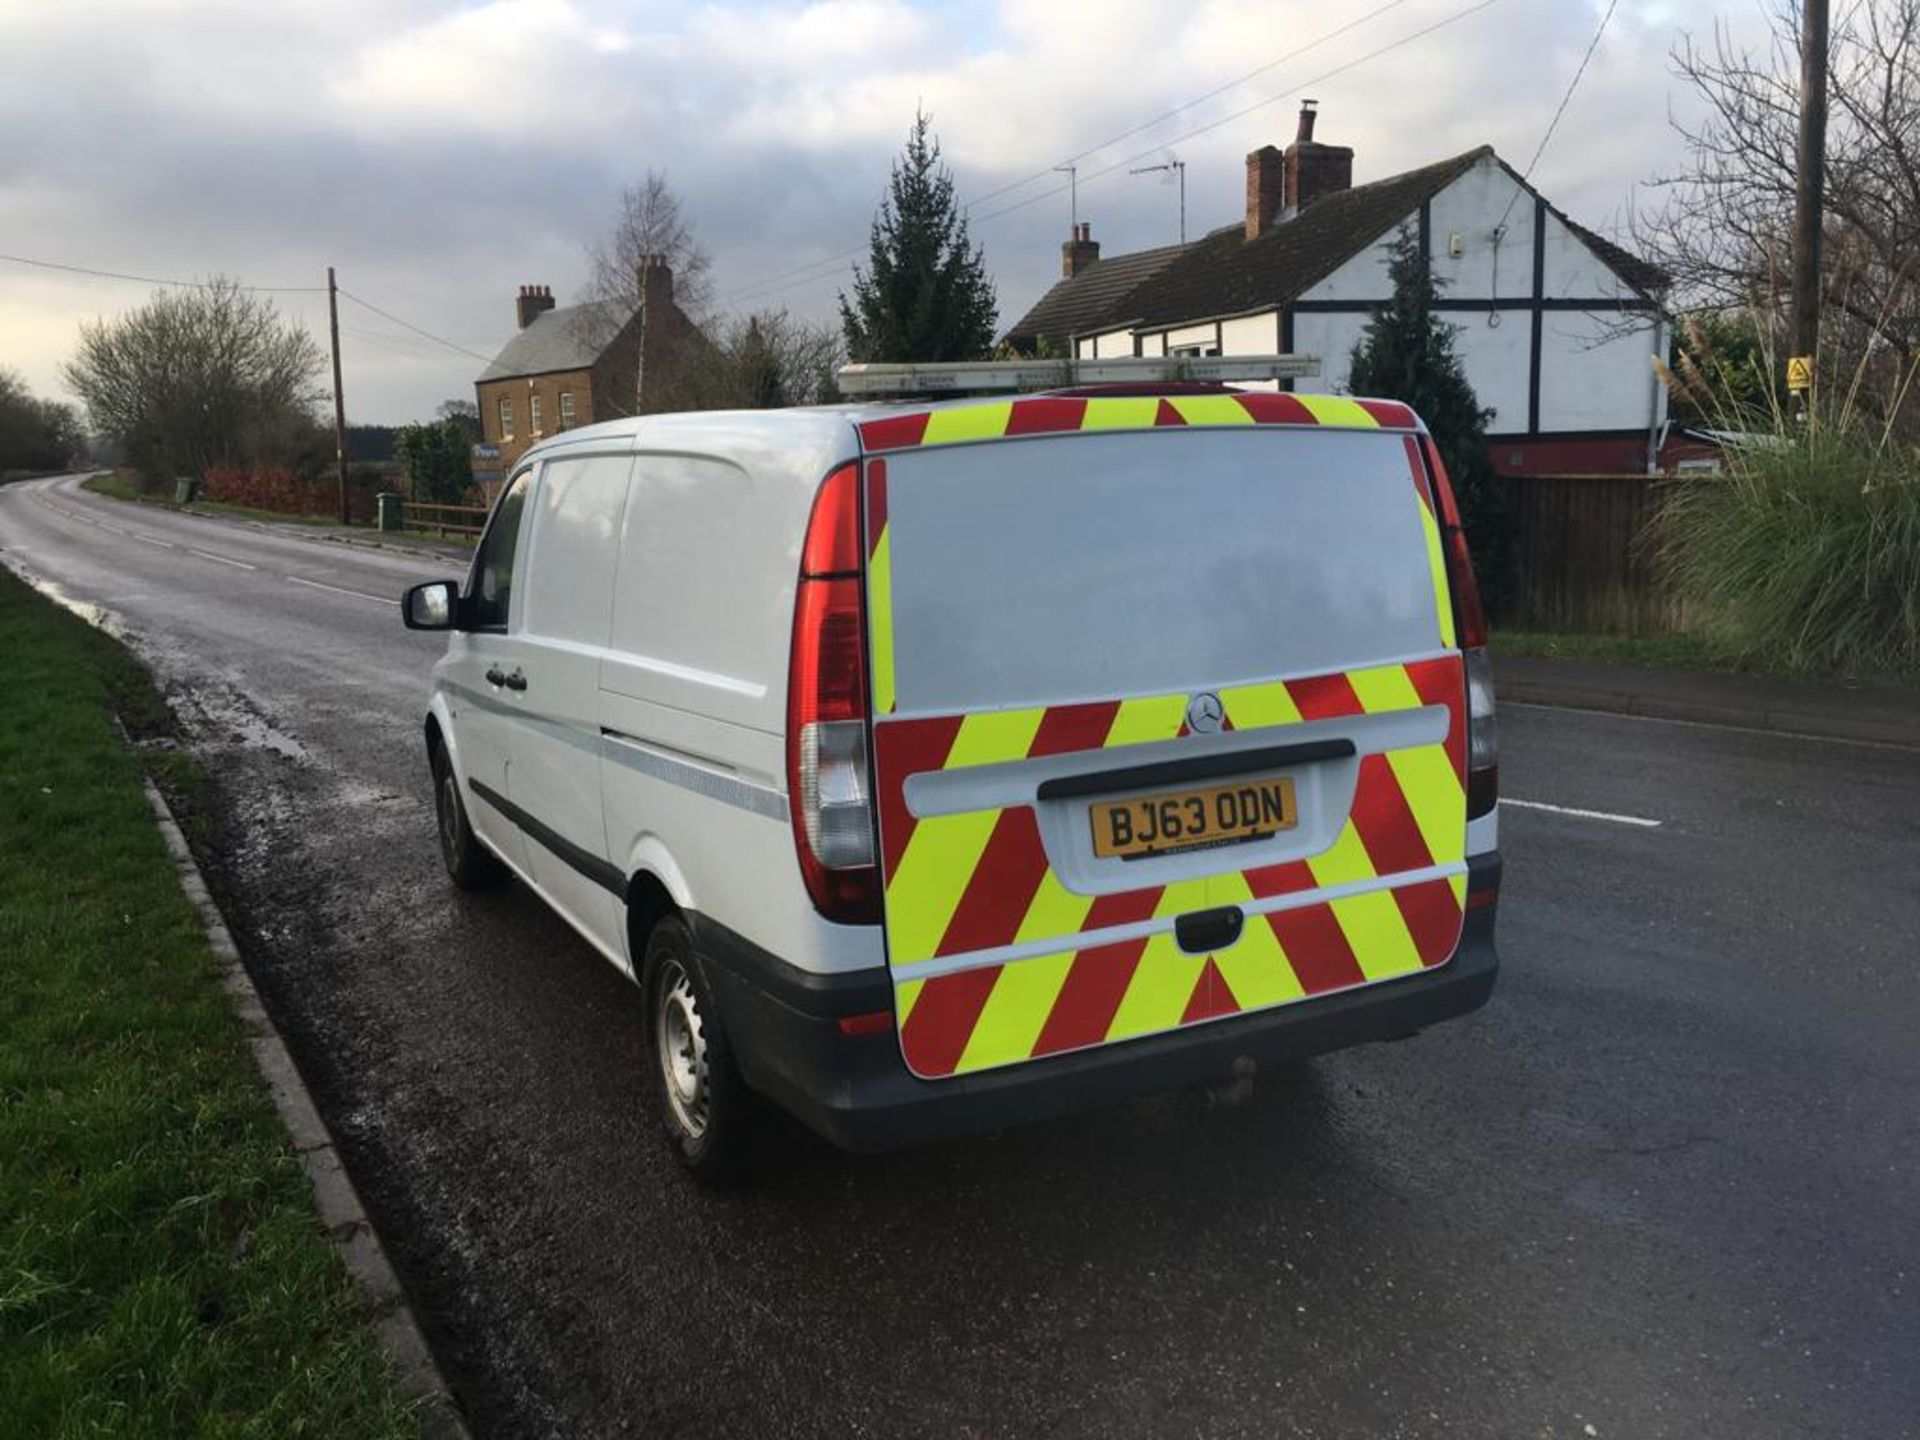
(648, 903)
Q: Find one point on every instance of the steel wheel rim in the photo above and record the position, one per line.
(449, 818)
(680, 1048)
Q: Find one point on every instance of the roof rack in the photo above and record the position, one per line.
(995, 377)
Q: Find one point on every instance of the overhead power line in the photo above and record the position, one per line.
(1572, 85)
(250, 289)
(1201, 99)
(826, 265)
(1554, 123)
(819, 269)
(156, 280)
(409, 325)
(1247, 110)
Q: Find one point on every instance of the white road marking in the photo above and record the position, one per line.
(356, 594)
(1580, 814)
(209, 555)
(150, 540)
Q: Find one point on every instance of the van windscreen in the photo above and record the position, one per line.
(1082, 567)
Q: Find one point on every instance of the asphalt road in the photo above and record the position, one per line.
(1664, 1185)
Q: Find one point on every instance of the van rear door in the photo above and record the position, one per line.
(1168, 715)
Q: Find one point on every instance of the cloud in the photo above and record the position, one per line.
(440, 155)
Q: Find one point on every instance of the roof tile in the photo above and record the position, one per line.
(570, 338)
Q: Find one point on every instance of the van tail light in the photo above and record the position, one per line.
(1470, 632)
(1469, 619)
(1483, 736)
(829, 782)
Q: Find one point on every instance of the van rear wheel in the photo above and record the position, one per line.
(710, 1116)
(470, 865)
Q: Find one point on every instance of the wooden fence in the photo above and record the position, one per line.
(444, 519)
(1587, 551)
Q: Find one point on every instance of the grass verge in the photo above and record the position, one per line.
(1674, 652)
(162, 1270)
(117, 487)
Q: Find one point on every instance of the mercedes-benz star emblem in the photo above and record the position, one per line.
(1205, 713)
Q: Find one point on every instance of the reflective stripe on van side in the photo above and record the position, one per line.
(639, 755)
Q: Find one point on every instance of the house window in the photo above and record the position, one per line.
(533, 411)
(1194, 352)
(566, 409)
(506, 417)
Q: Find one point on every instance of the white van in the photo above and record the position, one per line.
(935, 767)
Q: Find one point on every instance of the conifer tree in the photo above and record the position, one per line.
(924, 295)
(1407, 353)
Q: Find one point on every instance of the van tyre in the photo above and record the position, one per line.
(712, 1119)
(470, 865)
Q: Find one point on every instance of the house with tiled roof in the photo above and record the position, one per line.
(1556, 326)
(577, 364)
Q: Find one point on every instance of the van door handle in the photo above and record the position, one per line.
(515, 681)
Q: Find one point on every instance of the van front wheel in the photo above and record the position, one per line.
(709, 1113)
(470, 865)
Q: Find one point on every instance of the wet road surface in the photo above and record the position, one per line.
(1664, 1185)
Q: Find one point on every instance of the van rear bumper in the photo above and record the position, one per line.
(856, 1091)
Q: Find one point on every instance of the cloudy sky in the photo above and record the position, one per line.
(442, 154)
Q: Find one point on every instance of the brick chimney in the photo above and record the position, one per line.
(534, 300)
(1079, 251)
(1312, 169)
(1266, 190)
(656, 281)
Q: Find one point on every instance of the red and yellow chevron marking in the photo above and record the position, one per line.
(1056, 414)
(980, 881)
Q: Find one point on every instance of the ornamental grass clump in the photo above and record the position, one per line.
(1805, 553)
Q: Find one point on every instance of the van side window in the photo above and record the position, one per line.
(492, 589)
(567, 584)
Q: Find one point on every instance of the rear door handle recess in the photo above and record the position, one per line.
(515, 681)
(1203, 930)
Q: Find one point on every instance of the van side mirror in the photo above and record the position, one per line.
(432, 606)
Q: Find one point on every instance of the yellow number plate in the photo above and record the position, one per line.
(1185, 819)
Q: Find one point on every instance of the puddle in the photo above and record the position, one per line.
(97, 616)
(220, 716)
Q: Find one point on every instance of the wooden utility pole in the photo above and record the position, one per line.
(1809, 190)
(339, 401)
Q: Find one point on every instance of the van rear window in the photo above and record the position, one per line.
(1085, 567)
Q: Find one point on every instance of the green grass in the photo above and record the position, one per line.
(1674, 652)
(118, 487)
(162, 1270)
(1679, 652)
(1807, 551)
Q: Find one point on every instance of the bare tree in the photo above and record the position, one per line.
(651, 229)
(651, 222)
(764, 361)
(200, 377)
(1722, 221)
(35, 434)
